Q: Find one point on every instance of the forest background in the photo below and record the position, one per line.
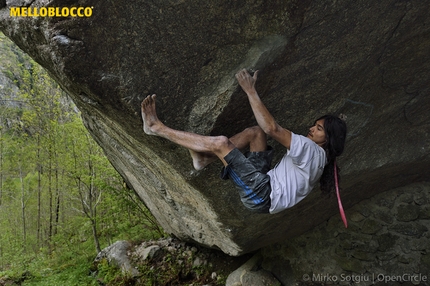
(61, 201)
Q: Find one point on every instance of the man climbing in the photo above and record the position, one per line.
(262, 189)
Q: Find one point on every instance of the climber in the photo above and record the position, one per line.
(262, 189)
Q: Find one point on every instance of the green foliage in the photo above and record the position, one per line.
(60, 199)
(111, 275)
(75, 273)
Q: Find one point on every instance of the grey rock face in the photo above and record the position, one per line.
(368, 60)
(117, 254)
(329, 254)
(251, 273)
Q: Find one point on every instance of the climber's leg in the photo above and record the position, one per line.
(248, 172)
(203, 149)
(252, 137)
(218, 145)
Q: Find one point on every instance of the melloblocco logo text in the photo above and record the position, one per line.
(51, 11)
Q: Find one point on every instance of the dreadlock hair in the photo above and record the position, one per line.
(335, 135)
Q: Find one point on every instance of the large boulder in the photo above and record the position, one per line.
(367, 59)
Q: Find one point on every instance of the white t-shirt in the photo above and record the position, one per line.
(294, 177)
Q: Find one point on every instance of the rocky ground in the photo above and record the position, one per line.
(167, 262)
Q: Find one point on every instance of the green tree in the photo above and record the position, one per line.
(60, 198)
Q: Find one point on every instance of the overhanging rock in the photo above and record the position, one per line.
(366, 59)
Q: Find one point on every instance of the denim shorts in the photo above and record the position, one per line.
(249, 173)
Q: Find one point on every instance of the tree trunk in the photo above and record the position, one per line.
(50, 196)
(95, 235)
(57, 206)
(39, 193)
(24, 226)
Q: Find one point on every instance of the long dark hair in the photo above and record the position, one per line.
(335, 135)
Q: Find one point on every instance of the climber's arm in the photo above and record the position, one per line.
(264, 119)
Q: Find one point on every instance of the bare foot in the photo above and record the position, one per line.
(202, 159)
(149, 115)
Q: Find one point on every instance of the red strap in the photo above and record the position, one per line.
(342, 213)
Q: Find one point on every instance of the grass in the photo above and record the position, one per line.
(69, 267)
(75, 272)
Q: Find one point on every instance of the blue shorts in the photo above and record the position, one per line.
(249, 172)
